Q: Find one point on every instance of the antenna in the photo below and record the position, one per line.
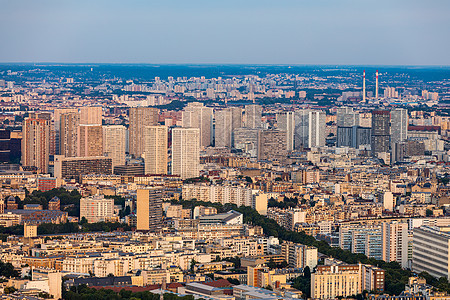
(364, 86)
(376, 86)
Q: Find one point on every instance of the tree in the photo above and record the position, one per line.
(307, 272)
(9, 290)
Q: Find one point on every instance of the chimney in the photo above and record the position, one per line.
(364, 86)
(376, 86)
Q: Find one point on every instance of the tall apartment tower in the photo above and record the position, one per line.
(90, 140)
(227, 120)
(91, 115)
(186, 152)
(253, 116)
(272, 145)
(309, 129)
(68, 133)
(286, 122)
(395, 242)
(36, 144)
(399, 125)
(223, 128)
(155, 149)
(114, 139)
(57, 126)
(195, 115)
(380, 131)
(149, 209)
(139, 118)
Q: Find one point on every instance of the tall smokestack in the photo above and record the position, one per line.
(376, 86)
(364, 86)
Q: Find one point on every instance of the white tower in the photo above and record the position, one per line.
(376, 86)
(364, 86)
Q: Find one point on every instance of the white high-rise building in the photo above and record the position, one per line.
(139, 118)
(395, 242)
(309, 129)
(91, 115)
(253, 116)
(186, 152)
(224, 128)
(431, 249)
(114, 139)
(399, 125)
(286, 122)
(155, 149)
(196, 115)
(97, 209)
(227, 120)
(57, 126)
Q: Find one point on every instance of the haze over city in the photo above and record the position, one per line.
(345, 32)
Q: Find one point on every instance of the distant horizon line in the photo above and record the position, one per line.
(219, 64)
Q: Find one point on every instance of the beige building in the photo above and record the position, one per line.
(57, 113)
(97, 209)
(227, 120)
(195, 115)
(272, 145)
(36, 144)
(186, 152)
(90, 140)
(140, 117)
(68, 133)
(29, 230)
(91, 115)
(114, 139)
(149, 209)
(341, 280)
(155, 149)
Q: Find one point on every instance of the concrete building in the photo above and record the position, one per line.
(395, 242)
(298, 255)
(186, 152)
(155, 149)
(431, 248)
(90, 140)
(253, 116)
(74, 167)
(380, 132)
(309, 129)
(399, 125)
(149, 209)
(114, 139)
(68, 133)
(227, 120)
(29, 230)
(91, 115)
(286, 122)
(36, 144)
(272, 145)
(246, 139)
(97, 209)
(57, 114)
(140, 117)
(196, 115)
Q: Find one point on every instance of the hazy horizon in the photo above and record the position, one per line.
(252, 32)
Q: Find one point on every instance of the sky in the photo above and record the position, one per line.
(330, 32)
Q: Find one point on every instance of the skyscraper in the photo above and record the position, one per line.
(68, 133)
(186, 152)
(149, 209)
(309, 129)
(223, 128)
(399, 125)
(91, 115)
(36, 144)
(253, 115)
(196, 115)
(155, 149)
(57, 126)
(380, 131)
(114, 139)
(90, 140)
(139, 118)
(286, 122)
(272, 145)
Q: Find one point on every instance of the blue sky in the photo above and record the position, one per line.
(362, 32)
